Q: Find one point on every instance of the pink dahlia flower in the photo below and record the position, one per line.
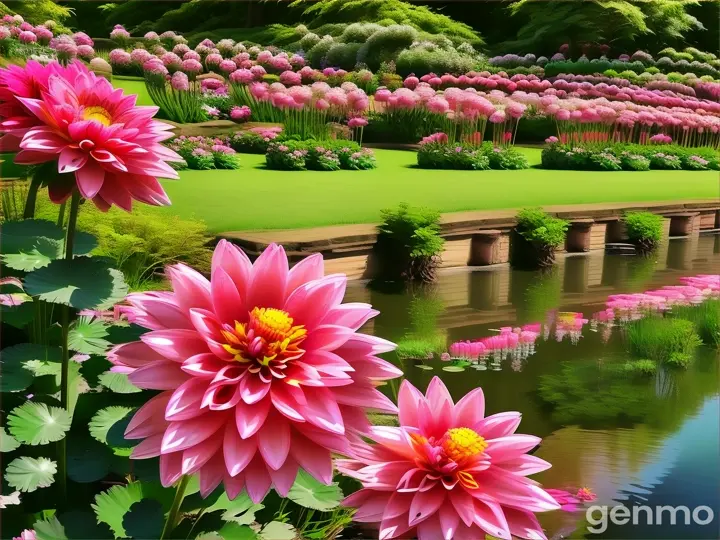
(261, 368)
(93, 130)
(448, 472)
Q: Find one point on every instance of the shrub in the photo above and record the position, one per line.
(537, 236)
(605, 161)
(343, 55)
(507, 158)
(320, 158)
(446, 156)
(634, 162)
(308, 41)
(421, 347)
(409, 244)
(385, 44)
(286, 156)
(420, 60)
(316, 55)
(359, 32)
(659, 338)
(644, 229)
(254, 140)
(356, 159)
(680, 360)
(660, 160)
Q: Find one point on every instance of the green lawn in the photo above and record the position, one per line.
(254, 198)
(134, 86)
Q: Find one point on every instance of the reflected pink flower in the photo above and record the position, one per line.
(261, 369)
(448, 472)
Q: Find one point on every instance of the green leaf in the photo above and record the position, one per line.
(87, 460)
(240, 510)
(86, 336)
(50, 529)
(111, 505)
(104, 420)
(27, 474)
(145, 519)
(82, 283)
(44, 236)
(276, 530)
(17, 362)
(26, 262)
(308, 492)
(233, 531)
(453, 369)
(8, 443)
(118, 382)
(36, 423)
(18, 316)
(81, 525)
(424, 366)
(93, 367)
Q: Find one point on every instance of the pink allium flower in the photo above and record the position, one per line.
(66, 50)
(4, 33)
(180, 81)
(227, 66)
(242, 76)
(290, 78)
(171, 61)
(152, 36)
(207, 43)
(94, 131)
(155, 66)
(262, 372)
(191, 67)
(281, 63)
(322, 105)
(27, 36)
(357, 121)
(140, 56)
(438, 105)
(448, 472)
(498, 117)
(86, 52)
(120, 34)
(180, 49)
(258, 71)
(411, 82)
(120, 57)
(297, 61)
(8, 19)
(81, 38)
(26, 27)
(43, 35)
(213, 60)
(264, 57)
(551, 140)
(240, 113)
(192, 55)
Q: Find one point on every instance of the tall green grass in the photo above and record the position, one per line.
(705, 317)
(659, 338)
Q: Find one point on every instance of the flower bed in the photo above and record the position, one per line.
(628, 157)
(318, 156)
(204, 153)
(437, 153)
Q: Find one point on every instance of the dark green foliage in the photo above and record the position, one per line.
(679, 359)
(421, 60)
(343, 55)
(386, 44)
(659, 338)
(409, 243)
(644, 229)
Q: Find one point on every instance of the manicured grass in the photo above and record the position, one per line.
(134, 86)
(255, 198)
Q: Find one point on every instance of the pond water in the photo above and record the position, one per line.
(652, 440)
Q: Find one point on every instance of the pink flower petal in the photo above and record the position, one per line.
(425, 504)
(274, 441)
(164, 375)
(250, 418)
(269, 279)
(308, 269)
(238, 452)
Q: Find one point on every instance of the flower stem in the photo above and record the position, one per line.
(65, 324)
(172, 518)
(35, 182)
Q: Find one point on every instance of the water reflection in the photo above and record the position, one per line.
(651, 440)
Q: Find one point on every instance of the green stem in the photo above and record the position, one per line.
(29, 211)
(172, 518)
(65, 366)
(61, 215)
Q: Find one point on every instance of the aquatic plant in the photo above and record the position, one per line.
(430, 479)
(640, 367)
(658, 338)
(706, 318)
(537, 236)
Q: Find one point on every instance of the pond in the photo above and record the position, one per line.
(651, 440)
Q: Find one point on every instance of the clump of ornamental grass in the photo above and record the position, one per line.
(536, 238)
(409, 244)
(644, 230)
(705, 317)
(659, 338)
(421, 348)
(640, 368)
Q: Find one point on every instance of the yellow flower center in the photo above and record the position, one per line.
(463, 443)
(97, 114)
(268, 337)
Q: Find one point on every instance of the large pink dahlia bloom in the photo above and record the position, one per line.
(448, 471)
(111, 146)
(262, 372)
